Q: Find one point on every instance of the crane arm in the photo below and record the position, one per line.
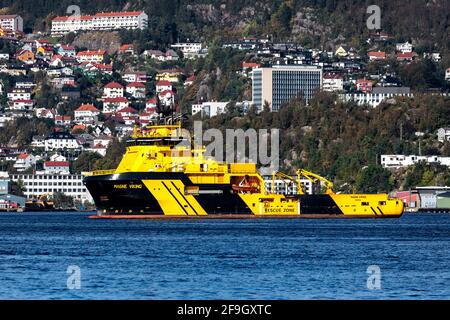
(315, 178)
(286, 177)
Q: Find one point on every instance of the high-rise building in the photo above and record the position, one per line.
(280, 84)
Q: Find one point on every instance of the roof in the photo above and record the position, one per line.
(119, 14)
(87, 107)
(63, 118)
(250, 64)
(136, 84)
(23, 156)
(152, 101)
(115, 100)
(407, 55)
(91, 53)
(65, 18)
(8, 16)
(127, 110)
(113, 85)
(391, 90)
(56, 164)
(379, 54)
(164, 83)
(165, 92)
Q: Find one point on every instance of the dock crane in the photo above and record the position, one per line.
(314, 178)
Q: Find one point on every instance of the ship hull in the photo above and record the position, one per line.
(164, 195)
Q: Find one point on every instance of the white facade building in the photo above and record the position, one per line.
(60, 141)
(447, 74)
(209, 109)
(99, 22)
(333, 83)
(189, 49)
(46, 184)
(400, 161)
(443, 134)
(11, 22)
(404, 47)
(378, 95)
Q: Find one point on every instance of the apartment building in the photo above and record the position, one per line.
(100, 21)
(36, 185)
(378, 95)
(401, 161)
(279, 84)
(12, 22)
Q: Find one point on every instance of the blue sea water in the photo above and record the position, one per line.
(223, 259)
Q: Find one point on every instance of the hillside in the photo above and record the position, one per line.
(305, 21)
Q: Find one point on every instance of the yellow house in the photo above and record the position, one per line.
(341, 52)
(168, 75)
(26, 56)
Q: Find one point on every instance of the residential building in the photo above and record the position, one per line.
(57, 167)
(169, 75)
(100, 21)
(189, 81)
(61, 141)
(210, 108)
(401, 161)
(163, 86)
(93, 56)
(404, 47)
(86, 114)
(378, 95)
(111, 105)
(136, 90)
(67, 51)
(135, 77)
(113, 90)
(37, 185)
(364, 85)
(447, 74)
(12, 22)
(333, 83)
(19, 94)
(189, 49)
(376, 55)
(167, 97)
(20, 105)
(64, 121)
(405, 57)
(443, 134)
(24, 162)
(280, 84)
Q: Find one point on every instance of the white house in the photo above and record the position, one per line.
(163, 85)
(63, 120)
(167, 97)
(443, 134)
(56, 167)
(11, 22)
(404, 47)
(111, 105)
(209, 109)
(135, 77)
(60, 141)
(97, 56)
(333, 83)
(401, 161)
(20, 105)
(86, 114)
(24, 161)
(19, 94)
(113, 90)
(136, 90)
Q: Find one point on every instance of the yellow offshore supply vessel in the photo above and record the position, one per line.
(162, 176)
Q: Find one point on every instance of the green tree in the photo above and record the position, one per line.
(373, 179)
